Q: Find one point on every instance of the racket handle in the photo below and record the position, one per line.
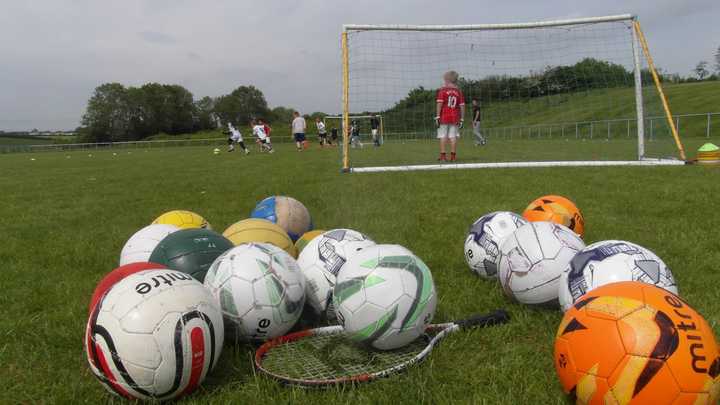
(496, 317)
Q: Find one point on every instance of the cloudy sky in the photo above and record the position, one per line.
(53, 53)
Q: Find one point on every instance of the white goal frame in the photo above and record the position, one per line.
(639, 45)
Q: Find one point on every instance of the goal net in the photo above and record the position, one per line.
(566, 93)
(363, 129)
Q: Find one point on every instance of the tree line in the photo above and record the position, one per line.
(117, 113)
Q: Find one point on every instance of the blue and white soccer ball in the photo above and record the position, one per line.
(532, 260)
(322, 259)
(155, 335)
(482, 245)
(287, 212)
(260, 290)
(612, 261)
(385, 297)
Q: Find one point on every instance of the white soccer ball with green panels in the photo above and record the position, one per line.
(385, 297)
(260, 289)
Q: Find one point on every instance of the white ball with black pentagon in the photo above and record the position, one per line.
(385, 297)
(155, 335)
(321, 260)
(260, 290)
(532, 260)
(482, 245)
(141, 245)
(612, 261)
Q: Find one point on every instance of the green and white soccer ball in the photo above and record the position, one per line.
(385, 297)
(322, 259)
(260, 289)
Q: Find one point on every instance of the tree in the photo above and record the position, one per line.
(242, 105)
(701, 70)
(108, 114)
(282, 114)
(717, 61)
(204, 113)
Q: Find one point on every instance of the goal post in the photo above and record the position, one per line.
(551, 93)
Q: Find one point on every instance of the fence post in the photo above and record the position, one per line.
(677, 124)
(628, 128)
(707, 129)
(609, 123)
(652, 129)
(591, 130)
(577, 131)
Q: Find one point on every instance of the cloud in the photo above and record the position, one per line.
(155, 37)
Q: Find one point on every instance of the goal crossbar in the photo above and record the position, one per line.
(487, 27)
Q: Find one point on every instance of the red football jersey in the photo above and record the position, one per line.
(451, 99)
(267, 129)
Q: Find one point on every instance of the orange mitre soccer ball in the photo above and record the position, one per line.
(634, 343)
(555, 208)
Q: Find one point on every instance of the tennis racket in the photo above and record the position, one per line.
(325, 356)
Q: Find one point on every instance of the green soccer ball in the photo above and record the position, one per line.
(191, 251)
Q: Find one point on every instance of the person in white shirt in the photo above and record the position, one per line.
(298, 130)
(259, 131)
(322, 132)
(235, 138)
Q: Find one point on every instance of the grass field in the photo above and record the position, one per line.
(65, 220)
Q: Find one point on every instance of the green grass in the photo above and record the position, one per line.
(66, 219)
(16, 140)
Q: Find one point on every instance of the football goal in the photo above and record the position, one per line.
(368, 128)
(581, 92)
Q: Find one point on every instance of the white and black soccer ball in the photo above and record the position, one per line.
(155, 335)
(260, 290)
(482, 245)
(385, 297)
(532, 260)
(612, 261)
(141, 245)
(321, 260)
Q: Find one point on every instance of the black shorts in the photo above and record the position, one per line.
(323, 136)
(230, 141)
(299, 137)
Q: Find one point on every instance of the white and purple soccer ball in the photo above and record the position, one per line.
(322, 259)
(482, 245)
(612, 261)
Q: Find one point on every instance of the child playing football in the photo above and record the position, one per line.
(450, 115)
(259, 132)
(235, 138)
(355, 135)
(322, 132)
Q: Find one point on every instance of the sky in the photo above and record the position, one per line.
(53, 53)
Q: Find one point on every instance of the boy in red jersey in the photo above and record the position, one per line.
(450, 114)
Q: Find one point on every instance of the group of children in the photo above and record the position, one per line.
(260, 130)
(449, 118)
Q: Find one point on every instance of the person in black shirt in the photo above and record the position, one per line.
(479, 138)
(375, 129)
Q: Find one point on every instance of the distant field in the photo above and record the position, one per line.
(15, 140)
(67, 215)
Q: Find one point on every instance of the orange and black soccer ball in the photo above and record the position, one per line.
(555, 208)
(634, 343)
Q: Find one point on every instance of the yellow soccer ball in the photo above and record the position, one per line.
(183, 219)
(306, 238)
(260, 230)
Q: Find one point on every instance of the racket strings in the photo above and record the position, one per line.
(330, 357)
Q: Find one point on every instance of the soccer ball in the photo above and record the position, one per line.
(183, 219)
(608, 262)
(260, 231)
(154, 335)
(287, 212)
(115, 276)
(141, 245)
(260, 289)
(322, 259)
(384, 297)
(482, 245)
(555, 208)
(532, 260)
(634, 343)
(191, 251)
(216, 151)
